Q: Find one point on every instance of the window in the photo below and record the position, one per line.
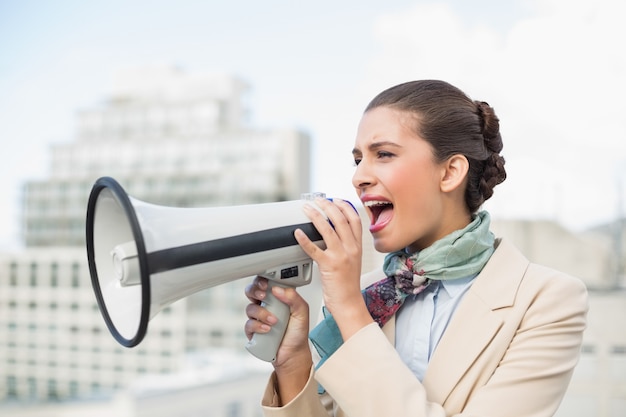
(619, 350)
(52, 390)
(32, 387)
(54, 275)
(11, 386)
(75, 275)
(73, 388)
(588, 349)
(13, 274)
(33, 274)
(234, 410)
(618, 363)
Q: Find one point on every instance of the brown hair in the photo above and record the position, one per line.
(453, 124)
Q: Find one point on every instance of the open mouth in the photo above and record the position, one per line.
(381, 211)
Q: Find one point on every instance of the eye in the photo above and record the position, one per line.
(357, 161)
(384, 154)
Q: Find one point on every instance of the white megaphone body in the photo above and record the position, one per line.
(143, 257)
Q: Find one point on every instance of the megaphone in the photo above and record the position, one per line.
(142, 257)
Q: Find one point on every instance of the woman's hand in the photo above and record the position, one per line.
(293, 360)
(340, 263)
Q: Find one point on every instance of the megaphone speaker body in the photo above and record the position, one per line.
(143, 257)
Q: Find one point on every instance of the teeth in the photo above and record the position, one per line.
(373, 203)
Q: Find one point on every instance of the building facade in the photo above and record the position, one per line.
(170, 138)
(175, 139)
(53, 342)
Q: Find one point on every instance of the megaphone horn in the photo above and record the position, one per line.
(142, 257)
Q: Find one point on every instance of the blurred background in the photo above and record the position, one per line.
(208, 103)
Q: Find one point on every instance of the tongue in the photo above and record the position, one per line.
(384, 215)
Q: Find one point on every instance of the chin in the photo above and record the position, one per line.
(386, 247)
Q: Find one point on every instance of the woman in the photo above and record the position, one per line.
(457, 322)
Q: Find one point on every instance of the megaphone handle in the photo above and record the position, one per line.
(265, 345)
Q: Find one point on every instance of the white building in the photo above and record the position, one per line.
(169, 138)
(172, 139)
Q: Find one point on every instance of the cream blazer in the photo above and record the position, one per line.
(509, 351)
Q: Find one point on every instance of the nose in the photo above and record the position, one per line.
(362, 176)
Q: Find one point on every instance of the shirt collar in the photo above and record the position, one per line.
(455, 286)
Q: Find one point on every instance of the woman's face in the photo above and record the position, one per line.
(398, 181)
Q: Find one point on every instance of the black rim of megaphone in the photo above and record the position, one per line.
(122, 198)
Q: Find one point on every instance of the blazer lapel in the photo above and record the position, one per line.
(476, 321)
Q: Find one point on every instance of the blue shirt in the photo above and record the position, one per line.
(423, 318)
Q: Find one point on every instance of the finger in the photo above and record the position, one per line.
(292, 298)
(319, 216)
(322, 220)
(258, 312)
(346, 222)
(353, 216)
(256, 291)
(310, 248)
(260, 320)
(254, 326)
(335, 223)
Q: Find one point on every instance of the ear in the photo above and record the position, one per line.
(454, 173)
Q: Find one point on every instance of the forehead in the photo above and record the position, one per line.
(385, 124)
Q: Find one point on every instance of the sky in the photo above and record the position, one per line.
(554, 70)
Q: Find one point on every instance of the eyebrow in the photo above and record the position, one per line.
(374, 146)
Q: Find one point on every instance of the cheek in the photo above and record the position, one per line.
(401, 179)
(410, 183)
(418, 207)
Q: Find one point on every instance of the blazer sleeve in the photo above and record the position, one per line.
(306, 404)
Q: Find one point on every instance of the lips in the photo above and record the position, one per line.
(381, 213)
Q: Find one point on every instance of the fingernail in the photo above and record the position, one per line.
(279, 290)
(272, 319)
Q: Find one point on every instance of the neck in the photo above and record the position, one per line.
(448, 224)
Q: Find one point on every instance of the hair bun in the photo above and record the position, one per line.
(490, 126)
